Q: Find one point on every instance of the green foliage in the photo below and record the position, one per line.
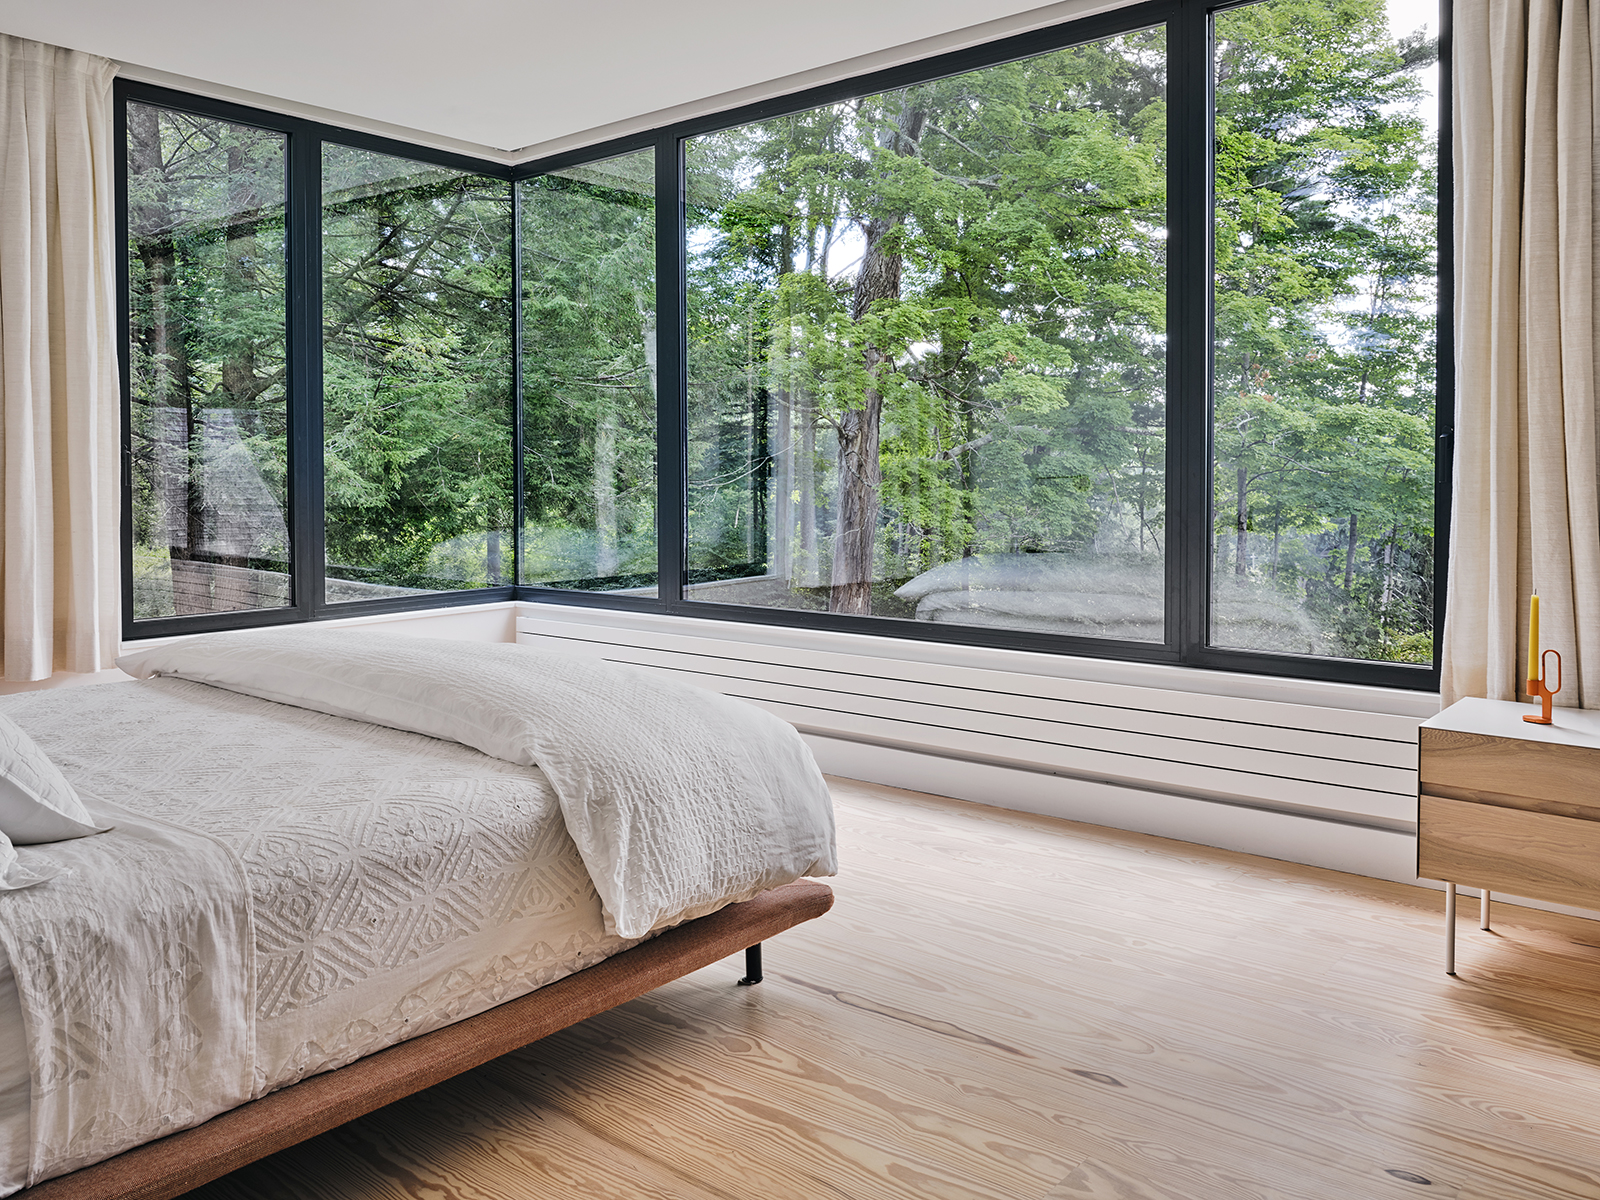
(1325, 308)
(207, 362)
(416, 367)
(964, 281)
(589, 388)
(1016, 366)
(1023, 352)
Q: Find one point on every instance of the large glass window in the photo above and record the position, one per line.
(589, 367)
(416, 366)
(1118, 338)
(1326, 306)
(926, 350)
(208, 401)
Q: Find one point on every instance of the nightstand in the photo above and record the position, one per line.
(1508, 806)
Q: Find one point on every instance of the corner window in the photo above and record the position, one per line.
(1118, 339)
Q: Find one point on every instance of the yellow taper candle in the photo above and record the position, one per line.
(1533, 636)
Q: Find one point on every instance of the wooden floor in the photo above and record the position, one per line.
(1017, 1008)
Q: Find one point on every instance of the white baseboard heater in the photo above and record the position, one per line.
(1347, 764)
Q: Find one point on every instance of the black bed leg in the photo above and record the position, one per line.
(752, 965)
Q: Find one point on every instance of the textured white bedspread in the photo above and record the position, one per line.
(398, 883)
(678, 799)
(133, 983)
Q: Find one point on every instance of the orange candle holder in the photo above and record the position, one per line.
(1538, 687)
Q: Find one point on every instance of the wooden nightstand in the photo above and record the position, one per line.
(1509, 806)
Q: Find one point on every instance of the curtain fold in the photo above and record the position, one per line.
(1526, 503)
(60, 419)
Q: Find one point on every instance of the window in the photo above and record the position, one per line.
(589, 386)
(1119, 338)
(207, 358)
(927, 371)
(416, 377)
(1326, 299)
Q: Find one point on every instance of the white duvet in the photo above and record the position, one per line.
(295, 912)
(679, 799)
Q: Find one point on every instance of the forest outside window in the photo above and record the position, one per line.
(589, 377)
(1117, 339)
(927, 370)
(207, 365)
(1326, 300)
(416, 377)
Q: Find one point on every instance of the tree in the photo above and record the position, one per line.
(416, 372)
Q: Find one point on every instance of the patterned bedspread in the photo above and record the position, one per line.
(397, 883)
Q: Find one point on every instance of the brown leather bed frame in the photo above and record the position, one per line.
(173, 1165)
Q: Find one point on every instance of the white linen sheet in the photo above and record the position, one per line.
(679, 799)
(399, 883)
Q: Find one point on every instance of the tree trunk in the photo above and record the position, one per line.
(605, 494)
(782, 555)
(1241, 521)
(860, 472)
(170, 393)
(806, 418)
(860, 485)
(234, 541)
(1277, 535)
(647, 336)
(1350, 553)
(1388, 574)
(493, 564)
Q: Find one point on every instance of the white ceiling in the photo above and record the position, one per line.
(507, 74)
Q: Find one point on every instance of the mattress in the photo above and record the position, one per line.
(400, 883)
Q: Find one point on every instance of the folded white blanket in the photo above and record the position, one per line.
(679, 800)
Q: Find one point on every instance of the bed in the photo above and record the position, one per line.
(344, 867)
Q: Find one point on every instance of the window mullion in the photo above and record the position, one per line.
(305, 371)
(672, 370)
(1189, 225)
(517, 479)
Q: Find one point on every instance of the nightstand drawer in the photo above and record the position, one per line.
(1512, 772)
(1534, 854)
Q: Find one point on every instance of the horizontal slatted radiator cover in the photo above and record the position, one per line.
(1349, 764)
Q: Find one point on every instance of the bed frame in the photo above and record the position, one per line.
(175, 1164)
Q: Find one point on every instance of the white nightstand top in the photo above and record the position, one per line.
(1503, 718)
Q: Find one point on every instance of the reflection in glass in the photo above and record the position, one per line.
(206, 354)
(589, 376)
(1325, 302)
(926, 350)
(416, 376)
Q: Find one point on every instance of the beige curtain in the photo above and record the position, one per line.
(59, 405)
(1525, 511)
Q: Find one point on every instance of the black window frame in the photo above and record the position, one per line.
(1189, 492)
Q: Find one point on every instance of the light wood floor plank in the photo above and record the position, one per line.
(1007, 1007)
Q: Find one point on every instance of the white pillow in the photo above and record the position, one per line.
(37, 804)
(13, 875)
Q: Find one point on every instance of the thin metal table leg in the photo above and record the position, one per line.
(1483, 910)
(1449, 929)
